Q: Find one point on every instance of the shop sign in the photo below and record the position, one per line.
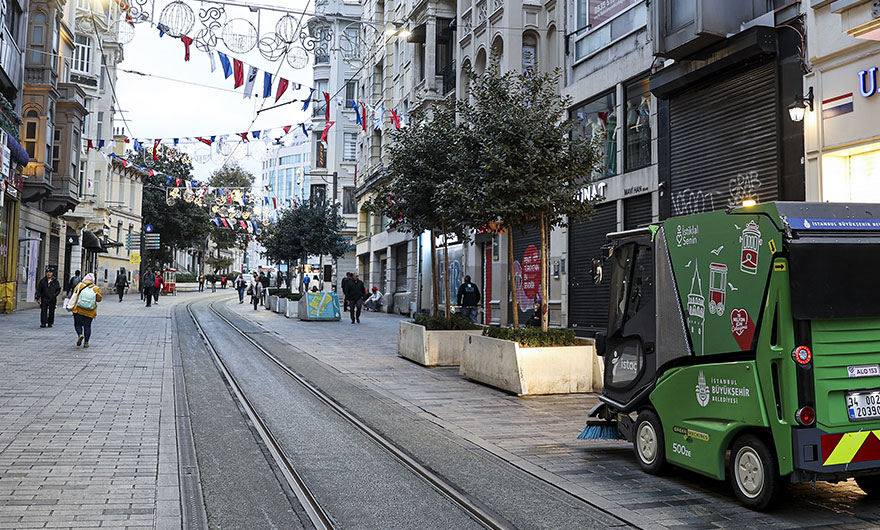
(10, 188)
(603, 10)
(593, 192)
(868, 82)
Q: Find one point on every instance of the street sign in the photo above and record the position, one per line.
(134, 259)
(128, 242)
(148, 228)
(151, 241)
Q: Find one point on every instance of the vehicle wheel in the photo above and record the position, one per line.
(648, 443)
(754, 473)
(870, 484)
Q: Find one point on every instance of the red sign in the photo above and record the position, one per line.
(531, 273)
(742, 327)
(602, 10)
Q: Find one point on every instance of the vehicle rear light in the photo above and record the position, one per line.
(802, 355)
(806, 416)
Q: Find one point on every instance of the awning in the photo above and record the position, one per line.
(16, 151)
(90, 241)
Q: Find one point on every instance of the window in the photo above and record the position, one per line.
(350, 94)
(349, 206)
(529, 52)
(131, 205)
(82, 58)
(119, 197)
(38, 38)
(318, 192)
(396, 59)
(87, 121)
(597, 121)
(56, 151)
(606, 34)
(289, 159)
(82, 179)
(351, 43)
(349, 151)
(637, 133)
(581, 14)
(31, 119)
(100, 132)
(103, 74)
(681, 13)
(319, 106)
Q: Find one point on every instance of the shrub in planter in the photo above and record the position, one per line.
(534, 337)
(186, 278)
(440, 323)
(274, 291)
(293, 297)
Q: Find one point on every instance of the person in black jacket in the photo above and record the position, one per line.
(121, 282)
(47, 297)
(148, 279)
(355, 291)
(469, 299)
(345, 281)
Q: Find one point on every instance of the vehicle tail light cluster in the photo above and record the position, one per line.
(806, 416)
(802, 355)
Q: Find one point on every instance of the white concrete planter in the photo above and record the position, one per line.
(432, 348)
(506, 365)
(281, 306)
(272, 302)
(291, 310)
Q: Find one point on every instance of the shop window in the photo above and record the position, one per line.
(596, 120)
(850, 176)
(637, 133)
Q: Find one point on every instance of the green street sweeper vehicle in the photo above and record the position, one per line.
(745, 344)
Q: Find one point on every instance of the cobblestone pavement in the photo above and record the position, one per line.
(87, 435)
(538, 434)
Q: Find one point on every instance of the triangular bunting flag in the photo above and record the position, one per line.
(238, 71)
(326, 130)
(251, 80)
(282, 87)
(308, 99)
(267, 84)
(224, 61)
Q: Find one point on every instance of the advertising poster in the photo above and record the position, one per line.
(602, 10)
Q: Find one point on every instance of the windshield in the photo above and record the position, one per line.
(621, 273)
(632, 284)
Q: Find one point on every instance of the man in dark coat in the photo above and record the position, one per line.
(355, 291)
(345, 281)
(148, 279)
(121, 282)
(47, 297)
(469, 299)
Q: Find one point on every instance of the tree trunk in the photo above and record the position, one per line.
(446, 285)
(545, 269)
(512, 277)
(435, 280)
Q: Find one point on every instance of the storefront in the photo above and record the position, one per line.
(842, 138)
(10, 192)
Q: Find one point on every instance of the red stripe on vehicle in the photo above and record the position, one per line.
(829, 442)
(870, 449)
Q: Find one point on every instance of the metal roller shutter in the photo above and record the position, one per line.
(724, 142)
(637, 212)
(588, 303)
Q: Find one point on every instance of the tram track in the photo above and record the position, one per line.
(316, 513)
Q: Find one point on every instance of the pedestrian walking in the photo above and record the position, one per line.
(121, 282)
(213, 279)
(306, 281)
(256, 292)
(355, 292)
(342, 285)
(158, 285)
(201, 282)
(148, 280)
(73, 282)
(278, 280)
(47, 297)
(84, 304)
(265, 281)
(469, 299)
(240, 285)
(223, 282)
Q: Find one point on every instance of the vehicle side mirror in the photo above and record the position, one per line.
(600, 344)
(596, 271)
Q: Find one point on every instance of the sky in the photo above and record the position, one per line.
(176, 107)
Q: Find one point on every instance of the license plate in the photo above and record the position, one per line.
(863, 405)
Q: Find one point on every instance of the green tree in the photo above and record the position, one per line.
(180, 224)
(425, 188)
(525, 167)
(230, 176)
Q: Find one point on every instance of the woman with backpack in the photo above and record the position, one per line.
(84, 304)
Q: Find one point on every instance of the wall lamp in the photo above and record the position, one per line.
(797, 109)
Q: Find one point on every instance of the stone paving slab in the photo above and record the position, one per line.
(538, 434)
(84, 432)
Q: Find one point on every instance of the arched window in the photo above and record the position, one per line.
(465, 79)
(31, 122)
(498, 51)
(38, 38)
(529, 50)
(551, 55)
(480, 63)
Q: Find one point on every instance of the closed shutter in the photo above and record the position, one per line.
(637, 212)
(54, 250)
(522, 240)
(587, 302)
(724, 142)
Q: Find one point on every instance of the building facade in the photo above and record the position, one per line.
(842, 140)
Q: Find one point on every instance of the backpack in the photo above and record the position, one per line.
(87, 298)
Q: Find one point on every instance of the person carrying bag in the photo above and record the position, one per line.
(84, 302)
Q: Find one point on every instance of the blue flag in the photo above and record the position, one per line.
(137, 145)
(267, 84)
(308, 99)
(227, 66)
(303, 125)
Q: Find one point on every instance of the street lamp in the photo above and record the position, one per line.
(797, 109)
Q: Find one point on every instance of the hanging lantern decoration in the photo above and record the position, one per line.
(177, 19)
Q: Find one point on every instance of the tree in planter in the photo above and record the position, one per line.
(426, 190)
(230, 176)
(181, 224)
(525, 167)
(281, 240)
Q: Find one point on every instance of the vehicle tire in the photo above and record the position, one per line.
(754, 473)
(648, 443)
(870, 484)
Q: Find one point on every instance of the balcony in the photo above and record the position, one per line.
(10, 58)
(35, 74)
(447, 76)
